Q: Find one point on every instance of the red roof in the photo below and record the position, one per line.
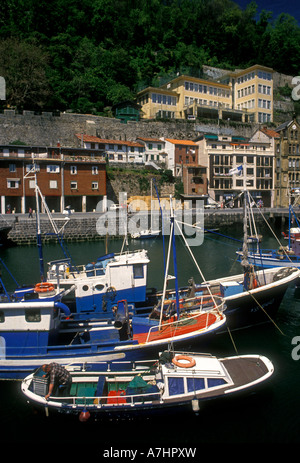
(270, 133)
(181, 142)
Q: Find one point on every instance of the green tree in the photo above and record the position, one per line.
(23, 65)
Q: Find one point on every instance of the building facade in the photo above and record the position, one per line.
(179, 153)
(65, 176)
(115, 151)
(252, 92)
(287, 162)
(244, 95)
(222, 153)
(154, 151)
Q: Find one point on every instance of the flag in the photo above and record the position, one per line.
(236, 170)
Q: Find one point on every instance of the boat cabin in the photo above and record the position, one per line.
(100, 284)
(206, 375)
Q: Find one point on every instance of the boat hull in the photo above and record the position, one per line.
(258, 305)
(91, 391)
(19, 365)
(271, 260)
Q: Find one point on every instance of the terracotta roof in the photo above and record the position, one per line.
(93, 139)
(270, 133)
(181, 142)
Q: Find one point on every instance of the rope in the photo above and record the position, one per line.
(232, 340)
(261, 307)
(271, 230)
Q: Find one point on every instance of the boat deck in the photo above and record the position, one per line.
(243, 371)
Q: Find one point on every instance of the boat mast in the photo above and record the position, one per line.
(171, 241)
(174, 258)
(38, 227)
(245, 262)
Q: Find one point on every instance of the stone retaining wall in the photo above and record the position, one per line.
(49, 130)
(77, 229)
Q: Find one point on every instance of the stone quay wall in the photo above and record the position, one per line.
(83, 227)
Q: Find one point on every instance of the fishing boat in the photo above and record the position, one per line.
(32, 330)
(98, 285)
(288, 256)
(36, 327)
(251, 297)
(177, 380)
(145, 234)
(293, 233)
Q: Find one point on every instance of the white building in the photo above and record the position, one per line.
(116, 151)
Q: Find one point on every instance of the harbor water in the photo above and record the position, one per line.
(268, 416)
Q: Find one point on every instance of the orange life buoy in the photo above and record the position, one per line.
(184, 361)
(43, 287)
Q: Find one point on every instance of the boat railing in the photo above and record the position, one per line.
(188, 317)
(107, 401)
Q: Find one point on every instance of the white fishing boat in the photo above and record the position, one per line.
(171, 382)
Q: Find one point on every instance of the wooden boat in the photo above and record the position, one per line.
(34, 330)
(175, 381)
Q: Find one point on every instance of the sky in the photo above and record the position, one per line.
(291, 7)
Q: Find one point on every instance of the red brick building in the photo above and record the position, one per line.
(66, 177)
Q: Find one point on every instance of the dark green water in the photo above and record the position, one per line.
(268, 417)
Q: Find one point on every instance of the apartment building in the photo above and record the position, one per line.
(180, 152)
(115, 151)
(222, 153)
(154, 150)
(252, 91)
(244, 95)
(287, 162)
(66, 177)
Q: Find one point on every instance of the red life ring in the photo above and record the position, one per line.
(184, 361)
(44, 287)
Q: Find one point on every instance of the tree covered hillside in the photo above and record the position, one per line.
(85, 55)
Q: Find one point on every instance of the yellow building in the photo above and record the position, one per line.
(244, 95)
(252, 90)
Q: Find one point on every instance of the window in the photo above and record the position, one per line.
(213, 382)
(33, 315)
(31, 184)
(73, 170)
(176, 385)
(95, 168)
(12, 167)
(29, 167)
(53, 184)
(94, 185)
(195, 384)
(138, 271)
(13, 183)
(73, 185)
(52, 168)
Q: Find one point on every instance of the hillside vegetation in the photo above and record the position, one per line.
(87, 55)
